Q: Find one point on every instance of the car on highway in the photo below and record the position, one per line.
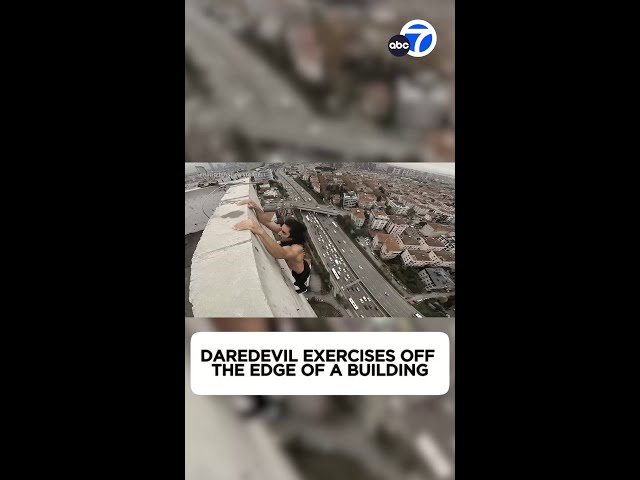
(417, 315)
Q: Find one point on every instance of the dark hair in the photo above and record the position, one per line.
(297, 231)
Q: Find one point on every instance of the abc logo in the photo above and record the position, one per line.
(399, 45)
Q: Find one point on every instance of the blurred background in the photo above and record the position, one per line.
(314, 78)
(319, 437)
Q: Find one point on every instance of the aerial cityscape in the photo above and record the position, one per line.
(380, 238)
(319, 196)
(316, 77)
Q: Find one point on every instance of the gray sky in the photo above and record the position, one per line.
(448, 168)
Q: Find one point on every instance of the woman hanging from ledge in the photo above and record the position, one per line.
(290, 248)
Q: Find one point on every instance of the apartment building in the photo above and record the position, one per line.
(349, 200)
(391, 248)
(357, 217)
(396, 224)
(419, 258)
(366, 200)
(377, 219)
(437, 229)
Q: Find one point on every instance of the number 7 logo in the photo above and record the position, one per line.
(422, 36)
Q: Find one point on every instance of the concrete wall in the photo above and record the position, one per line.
(233, 275)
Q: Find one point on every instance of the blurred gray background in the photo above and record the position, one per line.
(315, 77)
(320, 437)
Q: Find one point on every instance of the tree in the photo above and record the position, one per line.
(282, 191)
(348, 223)
(379, 199)
(342, 301)
(411, 212)
(388, 210)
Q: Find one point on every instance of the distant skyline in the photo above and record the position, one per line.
(448, 168)
(441, 168)
(190, 168)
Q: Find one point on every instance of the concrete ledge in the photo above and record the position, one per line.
(233, 275)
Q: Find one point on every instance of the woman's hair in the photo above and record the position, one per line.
(297, 230)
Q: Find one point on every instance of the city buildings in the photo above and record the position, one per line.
(272, 193)
(436, 229)
(357, 217)
(391, 248)
(378, 239)
(412, 243)
(349, 200)
(436, 279)
(434, 244)
(366, 200)
(263, 175)
(449, 243)
(419, 258)
(377, 219)
(420, 208)
(445, 259)
(398, 208)
(396, 224)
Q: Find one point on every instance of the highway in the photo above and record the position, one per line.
(329, 253)
(300, 195)
(377, 288)
(346, 278)
(384, 294)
